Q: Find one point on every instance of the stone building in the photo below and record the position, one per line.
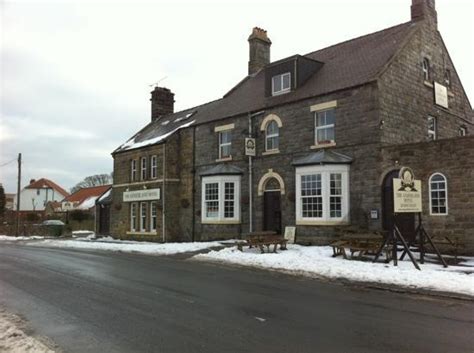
(331, 128)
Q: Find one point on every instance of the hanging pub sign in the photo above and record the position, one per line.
(250, 146)
(141, 195)
(406, 192)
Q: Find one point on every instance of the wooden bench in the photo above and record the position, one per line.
(263, 239)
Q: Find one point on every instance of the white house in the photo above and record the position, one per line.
(38, 193)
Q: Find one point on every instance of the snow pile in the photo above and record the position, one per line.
(132, 144)
(317, 261)
(112, 244)
(14, 339)
(13, 238)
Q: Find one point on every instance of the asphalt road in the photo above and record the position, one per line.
(107, 302)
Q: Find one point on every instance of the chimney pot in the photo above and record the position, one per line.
(424, 10)
(259, 50)
(32, 181)
(162, 102)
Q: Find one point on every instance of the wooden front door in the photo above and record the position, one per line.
(405, 221)
(272, 211)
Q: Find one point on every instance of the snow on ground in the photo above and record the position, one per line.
(317, 261)
(13, 238)
(13, 338)
(111, 244)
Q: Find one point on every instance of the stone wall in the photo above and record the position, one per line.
(454, 158)
(406, 99)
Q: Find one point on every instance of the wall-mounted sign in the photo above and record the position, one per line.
(290, 233)
(441, 95)
(141, 195)
(250, 148)
(406, 192)
(374, 214)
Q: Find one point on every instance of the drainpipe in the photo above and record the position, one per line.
(251, 173)
(164, 193)
(194, 186)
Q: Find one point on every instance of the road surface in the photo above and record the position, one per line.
(91, 301)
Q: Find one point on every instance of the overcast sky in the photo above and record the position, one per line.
(76, 76)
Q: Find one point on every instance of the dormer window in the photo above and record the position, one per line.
(426, 69)
(281, 83)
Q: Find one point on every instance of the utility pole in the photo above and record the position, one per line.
(18, 197)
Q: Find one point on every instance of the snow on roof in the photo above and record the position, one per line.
(131, 144)
(105, 195)
(87, 203)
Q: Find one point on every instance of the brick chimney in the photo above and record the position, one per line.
(424, 10)
(259, 45)
(162, 102)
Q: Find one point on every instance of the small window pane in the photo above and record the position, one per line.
(286, 81)
(276, 83)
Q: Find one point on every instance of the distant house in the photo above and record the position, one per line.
(9, 201)
(84, 199)
(38, 193)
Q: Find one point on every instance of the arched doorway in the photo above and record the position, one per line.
(405, 221)
(272, 205)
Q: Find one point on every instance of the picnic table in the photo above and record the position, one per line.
(359, 245)
(263, 239)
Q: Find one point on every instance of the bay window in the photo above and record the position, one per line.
(221, 199)
(322, 194)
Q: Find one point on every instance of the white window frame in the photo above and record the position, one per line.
(426, 69)
(445, 190)
(221, 145)
(133, 216)
(325, 171)
(221, 180)
(153, 215)
(462, 131)
(143, 165)
(283, 89)
(432, 134)
(273, 135)
(142, 218)
(133, 170)
(323, 127)
(154, 166)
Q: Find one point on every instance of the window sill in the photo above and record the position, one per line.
(279, 93)
(141, 233)
(428, 84)
(323, 145)
(220, 222)
(226, 159)
(321, 223)
(438, 214)
(270, 152)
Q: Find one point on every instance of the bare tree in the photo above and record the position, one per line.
(93, 180)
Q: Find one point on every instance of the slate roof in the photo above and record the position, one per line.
(347, 64)
(221, 169)
(322, 157)
(44, 183)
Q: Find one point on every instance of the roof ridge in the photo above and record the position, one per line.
(360, 37)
